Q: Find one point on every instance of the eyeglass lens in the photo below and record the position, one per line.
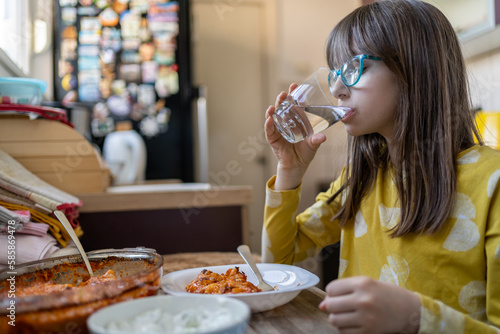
(350, 71)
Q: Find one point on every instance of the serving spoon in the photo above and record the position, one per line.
(62, 218)
(245, 253)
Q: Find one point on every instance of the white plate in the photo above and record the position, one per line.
(287, 280)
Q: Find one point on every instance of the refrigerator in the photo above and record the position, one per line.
(128, 63)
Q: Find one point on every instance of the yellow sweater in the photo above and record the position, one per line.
(456, 272)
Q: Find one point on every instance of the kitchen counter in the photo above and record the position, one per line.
(164, 196)
(169, 217)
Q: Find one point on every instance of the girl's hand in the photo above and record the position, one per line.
(363, 305)
(293, 159)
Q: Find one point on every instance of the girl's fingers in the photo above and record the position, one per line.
(269, 111)
(269, 123)
(348, 320)
(280, 98)
(292, 87)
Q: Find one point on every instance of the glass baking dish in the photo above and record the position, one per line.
(138, 272)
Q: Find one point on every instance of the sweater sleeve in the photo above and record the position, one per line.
(290, 238)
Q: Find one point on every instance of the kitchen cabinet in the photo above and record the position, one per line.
(170, 218)
(476, 23)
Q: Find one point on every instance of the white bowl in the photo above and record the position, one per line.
(287, 281)
(234, 319)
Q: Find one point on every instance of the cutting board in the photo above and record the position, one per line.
(56, 153)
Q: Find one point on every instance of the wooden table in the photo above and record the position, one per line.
(301, 315)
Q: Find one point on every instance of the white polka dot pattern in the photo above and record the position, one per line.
(342, 267)
(396, 271)
(314, 224)
(469, 158)
(463, 236)
(389, 217)
(267, 255)
(431, 323)
(472, 298)
(320, 209)
(463, 206)
(492, 182)
(273, 198)
(360, 227)
(455, 320)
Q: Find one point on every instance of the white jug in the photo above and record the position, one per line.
(125, 154)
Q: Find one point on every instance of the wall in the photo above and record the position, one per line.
(302, 30)
(484, 73)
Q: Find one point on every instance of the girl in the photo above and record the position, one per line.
(417, 206)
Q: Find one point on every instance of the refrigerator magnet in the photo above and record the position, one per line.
(165, 41)
(69, 32)
(130, 24)
(68, 82)
(109, 18)
(91, 77)
(90, 24)
(100, 111)
(144, 33)
(131, 43)
(120, 5)
(147, 51)
(139, 6)
(118, 86)
(108, 71)
(167, 82)
(102, 127)
(67, 3)
(105, 88)
(102, 3)
(88, 37)
(68, 48)
(107, 56)
(130, 72)
(118, 106)
(88, 11)
(130, 57)
(69, 97)
(149, 127)
(132, 91)
(111, 39)
(65, 66)
(164, 57)
(85, 3)
(88, 50)
(68, 16)
(89, 93)
(88, 63)
(149, 71)
(146, 95)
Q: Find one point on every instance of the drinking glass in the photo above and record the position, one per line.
(308, 109)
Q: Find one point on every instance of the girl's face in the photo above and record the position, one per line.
(373, 98)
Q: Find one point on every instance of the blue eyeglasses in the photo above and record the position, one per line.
(350, 72)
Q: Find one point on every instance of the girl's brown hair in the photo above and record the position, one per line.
(435, 120)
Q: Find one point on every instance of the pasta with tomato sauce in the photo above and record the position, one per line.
(233, 281)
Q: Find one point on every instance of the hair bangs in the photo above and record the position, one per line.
(357, 33)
